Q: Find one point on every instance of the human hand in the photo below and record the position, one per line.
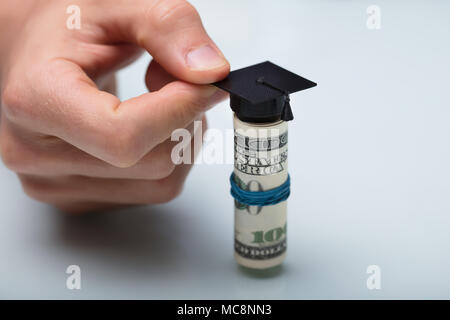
(78, 147)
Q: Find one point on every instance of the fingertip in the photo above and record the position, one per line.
(206, 64)
(157, 77)
(208, 76)
(205, 58)
(205, 96)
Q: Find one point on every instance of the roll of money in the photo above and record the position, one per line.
(260, 183)
(260, 164)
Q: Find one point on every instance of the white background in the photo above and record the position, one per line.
(369, 160)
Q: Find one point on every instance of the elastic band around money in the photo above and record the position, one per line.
(261, 198)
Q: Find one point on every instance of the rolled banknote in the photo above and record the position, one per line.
(260, 164)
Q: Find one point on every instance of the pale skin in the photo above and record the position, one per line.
(71, 141)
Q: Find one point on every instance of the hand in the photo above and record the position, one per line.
(80, 148)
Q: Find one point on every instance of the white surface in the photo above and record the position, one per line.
(369, 154)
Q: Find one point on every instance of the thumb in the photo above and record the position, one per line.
(173, 33)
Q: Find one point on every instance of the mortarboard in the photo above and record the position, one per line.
(260, 93)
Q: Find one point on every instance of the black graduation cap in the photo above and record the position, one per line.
(260, 93)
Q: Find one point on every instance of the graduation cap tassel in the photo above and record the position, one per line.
(286, 114)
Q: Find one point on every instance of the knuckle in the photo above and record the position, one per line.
(158, 163)
(172, 189)
(121, 148)
(34, 189)
(12, 100)
(10, 156)
(165, 14)
(165, 167)
(13, 154)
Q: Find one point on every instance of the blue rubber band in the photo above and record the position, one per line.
(260, 198)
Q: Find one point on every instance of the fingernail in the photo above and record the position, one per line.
(204, 58)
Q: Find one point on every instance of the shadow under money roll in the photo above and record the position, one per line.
(260, 183)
